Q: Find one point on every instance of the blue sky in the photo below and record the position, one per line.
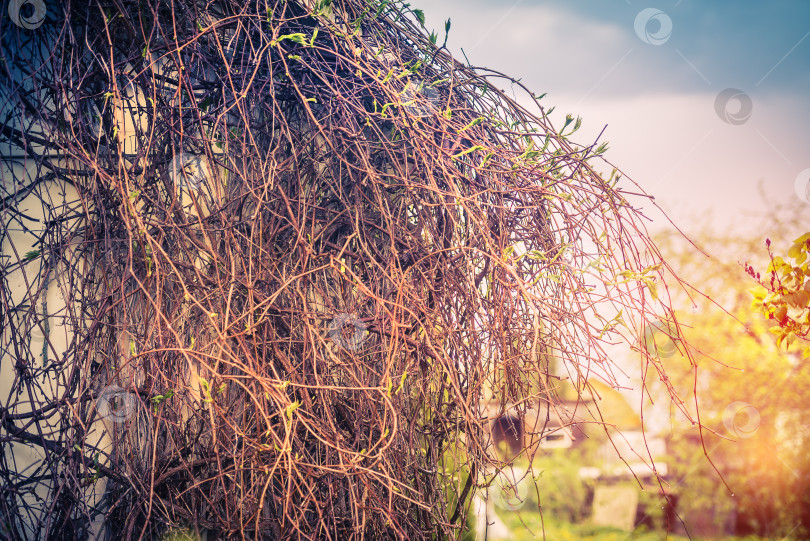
(657, 90)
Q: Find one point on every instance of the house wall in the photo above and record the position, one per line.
(36, 325)
(532, 430)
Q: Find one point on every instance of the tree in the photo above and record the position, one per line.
(285, 251)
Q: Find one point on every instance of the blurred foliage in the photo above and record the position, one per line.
(612, 402)
(560, 491)
(532, 526)
(750, 396)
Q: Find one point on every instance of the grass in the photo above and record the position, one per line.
(527, 525)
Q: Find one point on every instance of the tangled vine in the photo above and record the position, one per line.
(264, 264)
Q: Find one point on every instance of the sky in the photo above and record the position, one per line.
(706, 104)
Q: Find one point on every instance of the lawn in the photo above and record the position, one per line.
(528, 525)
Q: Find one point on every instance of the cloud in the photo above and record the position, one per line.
(680, 151)
(660, 102)
(549, 47)
(592, 45)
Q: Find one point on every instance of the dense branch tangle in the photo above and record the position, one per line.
(306, 244)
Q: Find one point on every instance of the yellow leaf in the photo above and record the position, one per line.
(804, 238)
(759, 292)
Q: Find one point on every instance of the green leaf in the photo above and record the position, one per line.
(601, 149)
(471, 149)
(475, 122)
(568, 120)
(291, 408)
(652, 287)
(298, 37)
(420, 16)
(322, 7)
(401, 382)
(33, 254)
